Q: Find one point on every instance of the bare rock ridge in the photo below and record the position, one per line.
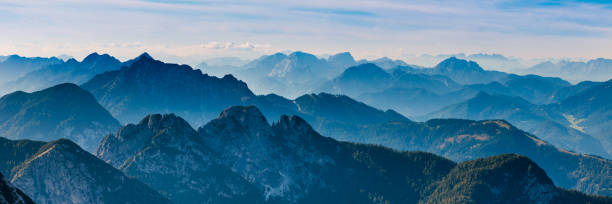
(61, 172)
(240, 156)
(10, 194)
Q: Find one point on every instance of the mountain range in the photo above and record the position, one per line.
(15, 66)
(548, 125)
(599, 69)
(337, 116)
(241, 156)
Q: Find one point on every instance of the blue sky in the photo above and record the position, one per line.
(193, 29)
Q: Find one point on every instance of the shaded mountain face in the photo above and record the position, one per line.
(62, 111)
(61, 172)
(10, 194)
(150, 86)
(590, 111)
(499, 179)
(15, 66)
(70, 71)
(537, 120)
(593, 70)
(289, 162)
(462, 140)
(164, 152)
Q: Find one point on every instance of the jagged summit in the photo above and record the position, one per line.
(95, 57)
(455, 64)
(145, 55)
(162, 121)
(249, 116)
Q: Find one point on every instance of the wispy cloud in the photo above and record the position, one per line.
(526, 28)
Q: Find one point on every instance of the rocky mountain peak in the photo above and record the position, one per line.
(248, 116)
(145, 55)
(61, 172)
(456, 64)
(163, 121)
(97, 58)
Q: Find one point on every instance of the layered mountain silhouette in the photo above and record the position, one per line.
(10, 194)
(465, 72)
(419, 91)
(289, 162)
(590, 111)
(62, 111)
(15, 66)
(369, 78)
(151, 86)
(593, 70)
(337, 116)
(70, 71)
(526, 116)
(462, 140)
(61, 172)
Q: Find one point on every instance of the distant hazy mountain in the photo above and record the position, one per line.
(70, 71)
(369, 78)
(462, 140)
(61, 172)
(62, 111)
(15, 66)
(593, 70)
(10, 194)
(288, 75)
(417, 91)
(465, 72)
(150, 86)
(531, 118)
(222, 66)
(384, 62)
(342, 60)
(288, 162)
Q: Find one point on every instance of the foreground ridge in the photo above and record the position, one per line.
(288, 162)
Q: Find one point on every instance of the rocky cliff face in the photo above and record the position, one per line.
(62, 172)
(10, 194)
(241, 156)
(164, 152)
